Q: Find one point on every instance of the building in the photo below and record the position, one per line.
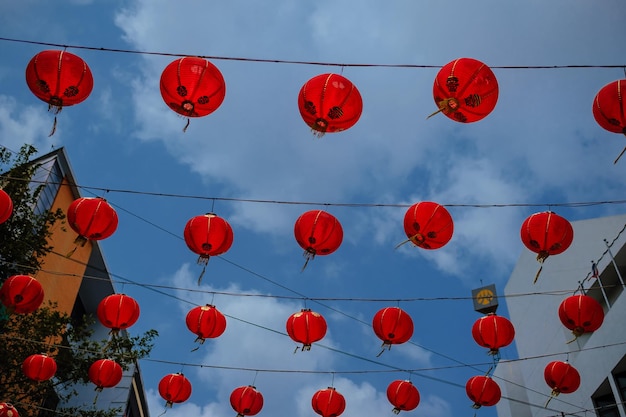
(540, 337)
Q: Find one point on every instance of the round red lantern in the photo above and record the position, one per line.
(483, 391)
(318, 233)
(7, 410)
(206, 322)
(118, 312)
(561, 377)
(403, 395)
(306, 327)
(328, 402)
(465, 90)
(6, 206)
(92, 218)
(21, 294)
(493, 332)
(546, 234)
(39, 367)
(246, 400)
(105, 373)
(192, 87)
(174, 388)
(609, 109)
(428, 225)
(208, 235)
(59, 78)
(393, 326)
(329, 103)
(581, 314)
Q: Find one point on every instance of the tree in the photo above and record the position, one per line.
(24, 241)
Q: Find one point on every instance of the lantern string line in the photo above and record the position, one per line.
(296, 62)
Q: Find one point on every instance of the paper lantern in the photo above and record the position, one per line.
(403, 396)
(581, 314)
(546, 234)
(428, 225)
(483, 391)
(562, 377)
(93, 218)
(208, 235)
(206, 322)
(609, 109)
(105, 373)
(59, 78)
(21, 294)
(329, 103)
(246, 400)
(6, 206)
(318, 233)
(192, 87)
(174, 389)
(465, 90)
(39, 367)
(7, 410)
(328, 402)
(306, 327)
(393, 326)
(118, 312)
(493, 332)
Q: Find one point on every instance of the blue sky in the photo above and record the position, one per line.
(540, 146)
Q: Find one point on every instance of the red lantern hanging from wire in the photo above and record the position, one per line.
(39, 367)
(609, 109)
(208, 235)
(483, 391)
(246, 400)
(118, 312)
(428, 225)
(93, 218)
(329, 103)
(105, 373)
(306, 327)
(403, 395)
(546, 234)
(192, 87)
(7, 410)
(59, 78)
(581, 314)
(493, 332)
(318, 233)
(21, 294)
(561, 377)
(465, 90)
(328, 402)
(393, 326)
(174, 389)
(206, 322)
(6, 206)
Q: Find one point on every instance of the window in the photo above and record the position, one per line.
(605, 406)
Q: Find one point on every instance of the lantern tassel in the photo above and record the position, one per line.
(187, 125)
(201, 274)
(541, 257)
(54, 127)
(396, 410)
(385, 346)
(619, 156)
(417, 239)
(98, 391)
(70, 253)
(553, 394)
(308, 255)
(438, 111)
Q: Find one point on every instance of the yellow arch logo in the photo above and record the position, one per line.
(484, 296)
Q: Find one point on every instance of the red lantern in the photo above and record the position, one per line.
(39, 367)
(329, 103)
(318, 233)
(465, 90)
(393, 326)
(546, 234)
(561, 377)
(208, 235)
(493, 332)
(483, 390)
(428, 225)
(6, 206)
(403, 396)
(105, 373)
(609, 109)
(328, 402)
(306, 327)
(21, 294)
(7, 410)
(92, 219)
(581, 314)
(206, 322)
(118, 312)
(246, 400)
(60, 79)
(174, 388)
(192, 87)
